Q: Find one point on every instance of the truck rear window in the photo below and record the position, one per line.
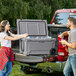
(61, 18)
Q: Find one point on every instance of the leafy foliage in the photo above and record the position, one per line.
(38, 10)
(13, 9)
(32, 9)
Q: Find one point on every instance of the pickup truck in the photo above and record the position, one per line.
(57, 26)
(59, 21)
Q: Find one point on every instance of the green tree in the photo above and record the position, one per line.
(38, 10)
(13, 10)
(60, 4)
(32, 9)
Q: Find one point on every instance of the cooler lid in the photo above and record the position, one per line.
(32, 27)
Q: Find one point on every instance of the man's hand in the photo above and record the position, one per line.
(60, 35)
(66, 33)
(63, 42)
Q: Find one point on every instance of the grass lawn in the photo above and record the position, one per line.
(16, 71)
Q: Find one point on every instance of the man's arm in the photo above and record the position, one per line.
(66, 33)
(71, 45)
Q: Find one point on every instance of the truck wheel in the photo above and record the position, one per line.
(25, 69)
(53, 51)
(29, 70)
(22, 68)
(48, 69)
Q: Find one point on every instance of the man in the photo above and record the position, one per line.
(71, 61)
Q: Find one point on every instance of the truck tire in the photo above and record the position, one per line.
(30, 70)
(48, 69)
(53, 51)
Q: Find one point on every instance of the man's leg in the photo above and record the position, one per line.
(67, 68)
(73, 63)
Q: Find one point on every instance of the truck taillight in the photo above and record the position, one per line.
(61, 53)
(74, 11)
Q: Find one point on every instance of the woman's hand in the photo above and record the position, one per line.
(25, 35)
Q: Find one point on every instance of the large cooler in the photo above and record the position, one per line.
(38, 42)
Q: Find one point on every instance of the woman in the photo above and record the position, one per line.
(6, 52)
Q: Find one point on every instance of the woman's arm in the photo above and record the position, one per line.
(15, 37)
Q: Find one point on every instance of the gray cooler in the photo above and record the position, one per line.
(38, 42)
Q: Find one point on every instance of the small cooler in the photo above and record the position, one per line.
(38, 42)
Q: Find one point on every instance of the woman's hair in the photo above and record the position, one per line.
(2, 26)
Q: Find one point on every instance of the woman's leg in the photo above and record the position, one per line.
(1, 73)
(8, 68)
